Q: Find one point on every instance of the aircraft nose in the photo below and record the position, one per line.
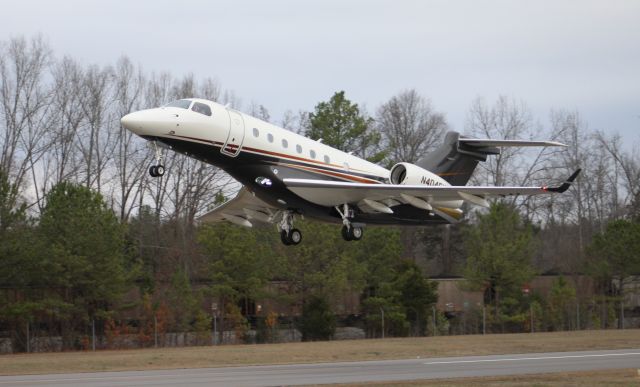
(132, 122)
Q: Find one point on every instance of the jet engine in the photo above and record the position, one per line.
(411, 174)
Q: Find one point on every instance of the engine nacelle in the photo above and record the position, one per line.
(411, 174)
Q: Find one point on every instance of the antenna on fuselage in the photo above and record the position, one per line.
(319, 140)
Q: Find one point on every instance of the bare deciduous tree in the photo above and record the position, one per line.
(410, 126)
(131, 157)
(62, 160)
(25, 108)
(95, 137)
(505, 119)
(259, 111)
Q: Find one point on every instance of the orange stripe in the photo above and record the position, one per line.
(335, 174)
(296, 158)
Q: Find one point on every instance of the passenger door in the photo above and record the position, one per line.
(236, 134)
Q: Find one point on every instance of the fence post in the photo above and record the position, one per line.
(93, 334)
(484, 320)
(531, 312)
(621, 307)
(435, 324)
(155, 331)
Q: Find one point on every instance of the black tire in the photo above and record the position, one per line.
(295, 236)
(160, 170)
(153, 171)
(285, 238)
(346, 235)
(356, 233)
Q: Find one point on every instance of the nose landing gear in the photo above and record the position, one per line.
(157, 169)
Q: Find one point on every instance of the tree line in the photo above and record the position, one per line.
(82, 226)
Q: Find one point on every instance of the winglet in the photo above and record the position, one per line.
(565, 186)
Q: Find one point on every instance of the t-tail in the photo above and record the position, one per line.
(457, 158)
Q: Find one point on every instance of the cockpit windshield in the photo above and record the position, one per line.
(180, 103)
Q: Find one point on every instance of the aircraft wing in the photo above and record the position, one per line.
(240, 210)
(333, 193)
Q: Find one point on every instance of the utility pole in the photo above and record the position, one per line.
(382, 313)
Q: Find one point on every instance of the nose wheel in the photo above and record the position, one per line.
(157, 169)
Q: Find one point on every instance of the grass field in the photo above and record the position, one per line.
(198, 357)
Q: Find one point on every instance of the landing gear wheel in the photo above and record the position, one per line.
(346, 234)
(156, 170)
(356, 233)
(352, 233)
(160, 170)
(294, 236)
(285, 238)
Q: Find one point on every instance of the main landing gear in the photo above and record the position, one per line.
(290, 236)
(349, 231)
(157, 170)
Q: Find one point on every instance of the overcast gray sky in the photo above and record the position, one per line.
(582, 55)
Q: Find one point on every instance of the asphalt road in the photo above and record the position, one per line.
(348, 372)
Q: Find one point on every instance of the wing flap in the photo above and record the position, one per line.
(241, 209)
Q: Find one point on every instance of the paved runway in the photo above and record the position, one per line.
(349, 372)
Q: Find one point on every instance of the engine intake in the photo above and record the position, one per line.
(411, 174)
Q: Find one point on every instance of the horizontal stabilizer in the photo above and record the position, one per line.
(457, 158)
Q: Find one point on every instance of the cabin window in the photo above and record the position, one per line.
(180, 103)
(312, 153)
(285, 143)
(327, 159)
(346, 166)
(270, 137)
(201, 108)
(299, 148)
(256, 132)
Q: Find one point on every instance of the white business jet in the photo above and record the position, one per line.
(286, 175)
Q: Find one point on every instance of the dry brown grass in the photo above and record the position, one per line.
(604, 378)
(199, 357)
